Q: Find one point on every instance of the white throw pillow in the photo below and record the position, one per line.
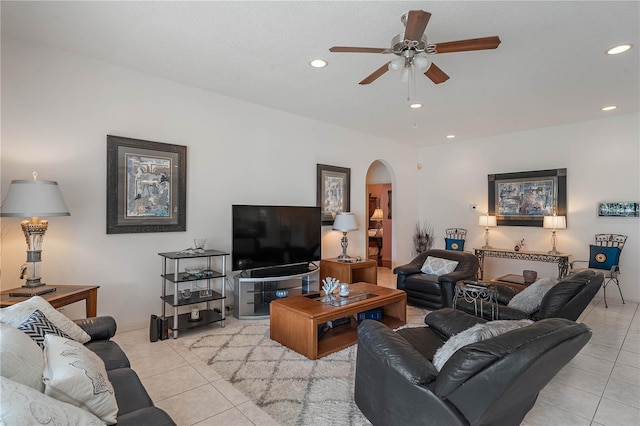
(477, 333)
(76, 375)
(529, 299)
(23, 405)
(16, 314)
(438, 266)
(21, 359)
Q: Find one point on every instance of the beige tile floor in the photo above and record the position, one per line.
(600, 386)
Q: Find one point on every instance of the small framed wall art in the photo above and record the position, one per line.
(146, 186)
(333, 191)
(619, 209)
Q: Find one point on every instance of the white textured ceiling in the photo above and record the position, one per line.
(549, 70)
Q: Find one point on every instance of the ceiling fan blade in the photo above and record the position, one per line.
(436, 75)
(377, 73)
(467, 45)
(416, 24)
(348, 49)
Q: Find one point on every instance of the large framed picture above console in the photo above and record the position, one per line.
(525, 198)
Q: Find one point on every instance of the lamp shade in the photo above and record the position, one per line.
(33, 198)
(554, 222)
(345, 222)
(487, 221)
(377, 214)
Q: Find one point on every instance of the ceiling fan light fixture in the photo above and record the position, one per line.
(318, 63)
(397, 64)
(619, 49)
(415, 105)
(421, 62)
(406, 74)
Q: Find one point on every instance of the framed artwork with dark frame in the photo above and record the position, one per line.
(524, 198)
(333, 193)
(146, 186)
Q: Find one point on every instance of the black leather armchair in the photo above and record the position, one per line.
(567, 299)
(492, 382)
(431, 291)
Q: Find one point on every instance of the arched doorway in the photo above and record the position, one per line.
(379, 210)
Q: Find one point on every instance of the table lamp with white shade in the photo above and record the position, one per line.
(487, 221)
(377, 217)
(345, 222)
(554, 222)
(33, 199)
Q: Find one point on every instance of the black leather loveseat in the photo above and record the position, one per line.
(491, 382)
(135, 406)
(432, 291)
(567, 299)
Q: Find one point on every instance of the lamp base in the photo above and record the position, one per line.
(32, 291)
(553, 252)
(487, 247)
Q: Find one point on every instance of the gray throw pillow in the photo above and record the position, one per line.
(477, 333)
(438, 266)
(529, 299)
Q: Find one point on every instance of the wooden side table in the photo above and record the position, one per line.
(63, 296)
(362, 271)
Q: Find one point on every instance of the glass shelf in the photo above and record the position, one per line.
(208, 316)
(194, 299)
(182, 275)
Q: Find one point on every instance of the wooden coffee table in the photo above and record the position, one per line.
(295, 320)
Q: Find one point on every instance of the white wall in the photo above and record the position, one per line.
(602, 158)
(57, 109)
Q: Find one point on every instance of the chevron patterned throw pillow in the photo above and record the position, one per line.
(37, 326)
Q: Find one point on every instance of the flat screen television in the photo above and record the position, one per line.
(268, 236)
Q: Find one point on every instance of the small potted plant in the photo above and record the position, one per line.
(422, 237)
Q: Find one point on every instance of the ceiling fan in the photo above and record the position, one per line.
(412, 48)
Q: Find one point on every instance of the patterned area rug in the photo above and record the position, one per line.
(291, 388)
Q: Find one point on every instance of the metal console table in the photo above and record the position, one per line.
(562, 259)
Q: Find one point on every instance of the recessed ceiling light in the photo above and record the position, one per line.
(318, 63)
(415, 106)
(609, 108)
(451, 136)
(619, 49)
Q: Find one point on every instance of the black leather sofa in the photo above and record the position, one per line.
(567, 299)
(431, 291)
(492, 382)
(135, 406)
